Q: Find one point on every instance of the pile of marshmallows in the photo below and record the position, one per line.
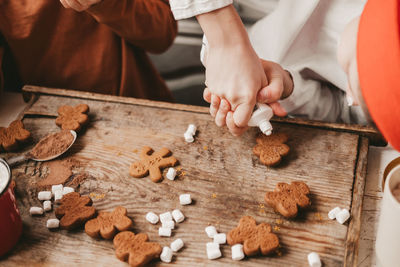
(341, 215)
(213, 250)
(168, 220)
(57, 191)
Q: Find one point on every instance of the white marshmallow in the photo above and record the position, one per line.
(237, 252)
(211, 231)
(171, 173)
(188, 137)
(166, 255)
(58, 195)
(191, 129)
(178, 216)
(185, 199)
(52, 223)
(177, 245)
(168, 224)
(333, 212)
(162, 231)
(342, 216)
(36, 211)
(55, 188)
(47, 205)
(151, 217)
(165, 217)
(220, 238)
(213, 251)
(44, 195)
(67, 190)
(314, 260)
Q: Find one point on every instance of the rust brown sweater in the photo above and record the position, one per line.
(102, 49)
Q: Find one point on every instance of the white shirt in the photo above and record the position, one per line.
(183, 9)
(302, 36)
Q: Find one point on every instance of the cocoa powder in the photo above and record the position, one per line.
(59, 172)
(52, 145)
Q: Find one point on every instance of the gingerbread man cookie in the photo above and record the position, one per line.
(271, 148)
(255, 238)
(135, 249)
(107, 224)
(13, 135)
(72, 118)
(285, 198)
(151, 162)
(74, 210)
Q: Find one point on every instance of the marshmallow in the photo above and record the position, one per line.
(47, 205)
(67, 190)
(165, 217)
(178, 216)
(342, 216)
(171, 174)
(237, 252)
(177, 245)
(151, 217)
(191, 129)
(55, 188)
(220, 238)
(168, 224)
(211, 231)
(332, 214)
(36, 211)
(188, 137)
(162, 231)
(44, 195)
(314, 260)
(166, 255)
(52, 223)
(58, 195)
(185, 199)
(213, 251)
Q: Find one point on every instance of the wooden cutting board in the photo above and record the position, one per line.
(226, 181)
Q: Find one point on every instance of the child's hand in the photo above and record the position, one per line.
(280, 87)
(78, 5)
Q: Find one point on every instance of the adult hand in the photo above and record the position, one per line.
(78, 5)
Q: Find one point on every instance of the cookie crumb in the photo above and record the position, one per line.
(277, 228)
(278, 221)
(135, 151)
(205, 147)
(318, 216)
(214, 195)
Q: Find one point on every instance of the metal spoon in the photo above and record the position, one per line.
(21, 158)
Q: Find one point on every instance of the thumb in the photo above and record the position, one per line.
(272, 92)
(242, 114)
(278, 109)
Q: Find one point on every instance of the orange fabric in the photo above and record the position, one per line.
(99, 50)
(378, 59)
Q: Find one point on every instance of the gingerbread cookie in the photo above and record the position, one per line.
(255, 238)
(74, 210)
(13, 135)
(151, 162)
(285, 198)
(72, 118)
(107, 224)
(271, 148)
(135, 249)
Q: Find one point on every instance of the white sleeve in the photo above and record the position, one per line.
(183, 9)
(316, 100)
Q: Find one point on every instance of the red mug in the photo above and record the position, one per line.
(10, 218)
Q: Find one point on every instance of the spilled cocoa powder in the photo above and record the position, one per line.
(52, 145)
(59, 172)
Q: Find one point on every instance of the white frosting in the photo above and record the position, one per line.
(4, 176)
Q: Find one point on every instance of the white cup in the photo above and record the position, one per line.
(388, 237)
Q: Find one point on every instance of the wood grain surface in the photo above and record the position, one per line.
(224, 178)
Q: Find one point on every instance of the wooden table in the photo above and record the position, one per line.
(224, 178)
